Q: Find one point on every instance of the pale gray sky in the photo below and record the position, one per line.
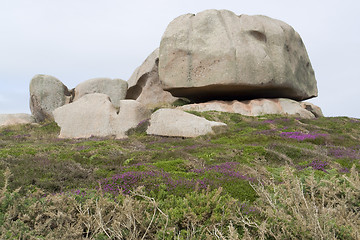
(75, 40)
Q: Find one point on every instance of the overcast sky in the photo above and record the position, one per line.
(76, 40)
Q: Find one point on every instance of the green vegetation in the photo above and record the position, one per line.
(268, 177)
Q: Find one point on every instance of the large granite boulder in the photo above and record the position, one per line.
(217, 55)
(258, 107)
(144, 84)
(14, 119)
(95, 115)
(177, 123)
(115, 88)
(46, 94)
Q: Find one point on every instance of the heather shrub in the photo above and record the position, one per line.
(309, 209)
(199, 215)
(292, 209)
(154, 187)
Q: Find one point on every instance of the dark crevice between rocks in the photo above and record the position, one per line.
(235, 92)
(70, 93)
(135, 91)
(312, 110)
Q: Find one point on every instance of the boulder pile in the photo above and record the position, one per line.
(47, 93)
(212, 61)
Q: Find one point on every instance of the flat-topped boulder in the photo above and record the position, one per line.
(258, 107)
(95, 115)
(47, 93)
(145, 86)
(217, 55)
(15, 119)
(115, 88)
(177, 123)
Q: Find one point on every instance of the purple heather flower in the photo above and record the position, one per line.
(152, 179)
(22, 136)
(142, 122)
(344, 170)
(353, 120)
(316, 165)
(301, 136)
(79, 148)
(340, 152)
(269, 121)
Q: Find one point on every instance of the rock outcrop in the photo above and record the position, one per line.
(145, 86)
(14, 119)
(95, 115)
(115, 88)
(217, 55)
(250, 65)
(312, 108)
(46, 94)
(257, 107)
(177, 123)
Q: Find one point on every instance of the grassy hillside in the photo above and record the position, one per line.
(269, 177)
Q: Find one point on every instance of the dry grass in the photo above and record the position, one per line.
(313, 209)
(65, 217)
(294, 209)
(134, 216)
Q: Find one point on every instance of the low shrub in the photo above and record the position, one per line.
(313, 209)
(199, 215)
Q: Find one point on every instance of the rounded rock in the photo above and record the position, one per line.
(115, 88)
(46, 94)
(145, 86)
(217, 55)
